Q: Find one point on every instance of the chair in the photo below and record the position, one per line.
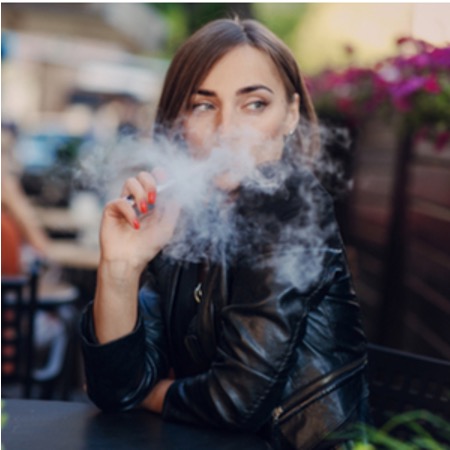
(18, 310)
(22, 302)
(401, 382)
(55, 376)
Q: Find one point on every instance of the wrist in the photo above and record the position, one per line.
(115, 308)
(116, 270)
(155, 399)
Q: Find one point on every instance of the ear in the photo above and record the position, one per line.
(293, 114)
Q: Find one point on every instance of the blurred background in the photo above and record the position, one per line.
(79, 75)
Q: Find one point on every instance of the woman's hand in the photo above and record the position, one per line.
(155, 399)
(126, 237)
(127, 244)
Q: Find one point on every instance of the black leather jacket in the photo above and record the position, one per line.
(270, 356)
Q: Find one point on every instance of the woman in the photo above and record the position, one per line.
(235, 343)
(19, 223)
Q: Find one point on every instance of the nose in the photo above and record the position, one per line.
(226, 123)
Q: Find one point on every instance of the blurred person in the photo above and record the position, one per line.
(128, 109)
(24, 241)
(19, 222)
(117, 117)
(231, 344)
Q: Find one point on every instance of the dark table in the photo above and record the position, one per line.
(53, 425)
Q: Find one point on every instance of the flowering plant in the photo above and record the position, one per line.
(415, 84)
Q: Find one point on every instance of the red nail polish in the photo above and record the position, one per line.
(136, 224)
(143, 206)
(152, 197)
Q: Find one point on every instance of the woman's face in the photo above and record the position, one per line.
(241, 104)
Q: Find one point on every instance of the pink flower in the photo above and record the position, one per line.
(431, 85)
(401, 91)
(421, 61)
(440, 57)
(411, 82)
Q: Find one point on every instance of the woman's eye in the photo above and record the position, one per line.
(257, 105)
(201, 107)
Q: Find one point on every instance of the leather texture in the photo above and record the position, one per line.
(269, 355)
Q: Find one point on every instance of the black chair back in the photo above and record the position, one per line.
(50, 368)
(19, 300)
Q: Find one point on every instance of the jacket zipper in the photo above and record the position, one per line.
(176, 277)
(329, 381)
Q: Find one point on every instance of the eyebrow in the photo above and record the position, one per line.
(242, 91)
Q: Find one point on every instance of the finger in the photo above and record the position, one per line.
(135, 190)
(123, 207)
(149, 182)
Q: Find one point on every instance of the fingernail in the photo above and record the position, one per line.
(152, 197)
(136, 224)
(143, 206)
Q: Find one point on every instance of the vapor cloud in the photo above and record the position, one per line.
(216, 227)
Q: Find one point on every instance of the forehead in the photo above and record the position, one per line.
(243, 66)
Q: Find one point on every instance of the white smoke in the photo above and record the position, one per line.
(212, 224)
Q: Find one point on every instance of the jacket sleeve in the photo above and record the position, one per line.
(119, 374)
(259, 331)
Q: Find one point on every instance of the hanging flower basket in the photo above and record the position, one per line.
(415, 83)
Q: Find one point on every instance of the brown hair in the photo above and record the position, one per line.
(204, 48)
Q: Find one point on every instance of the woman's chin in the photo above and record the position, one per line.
(227, 182)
